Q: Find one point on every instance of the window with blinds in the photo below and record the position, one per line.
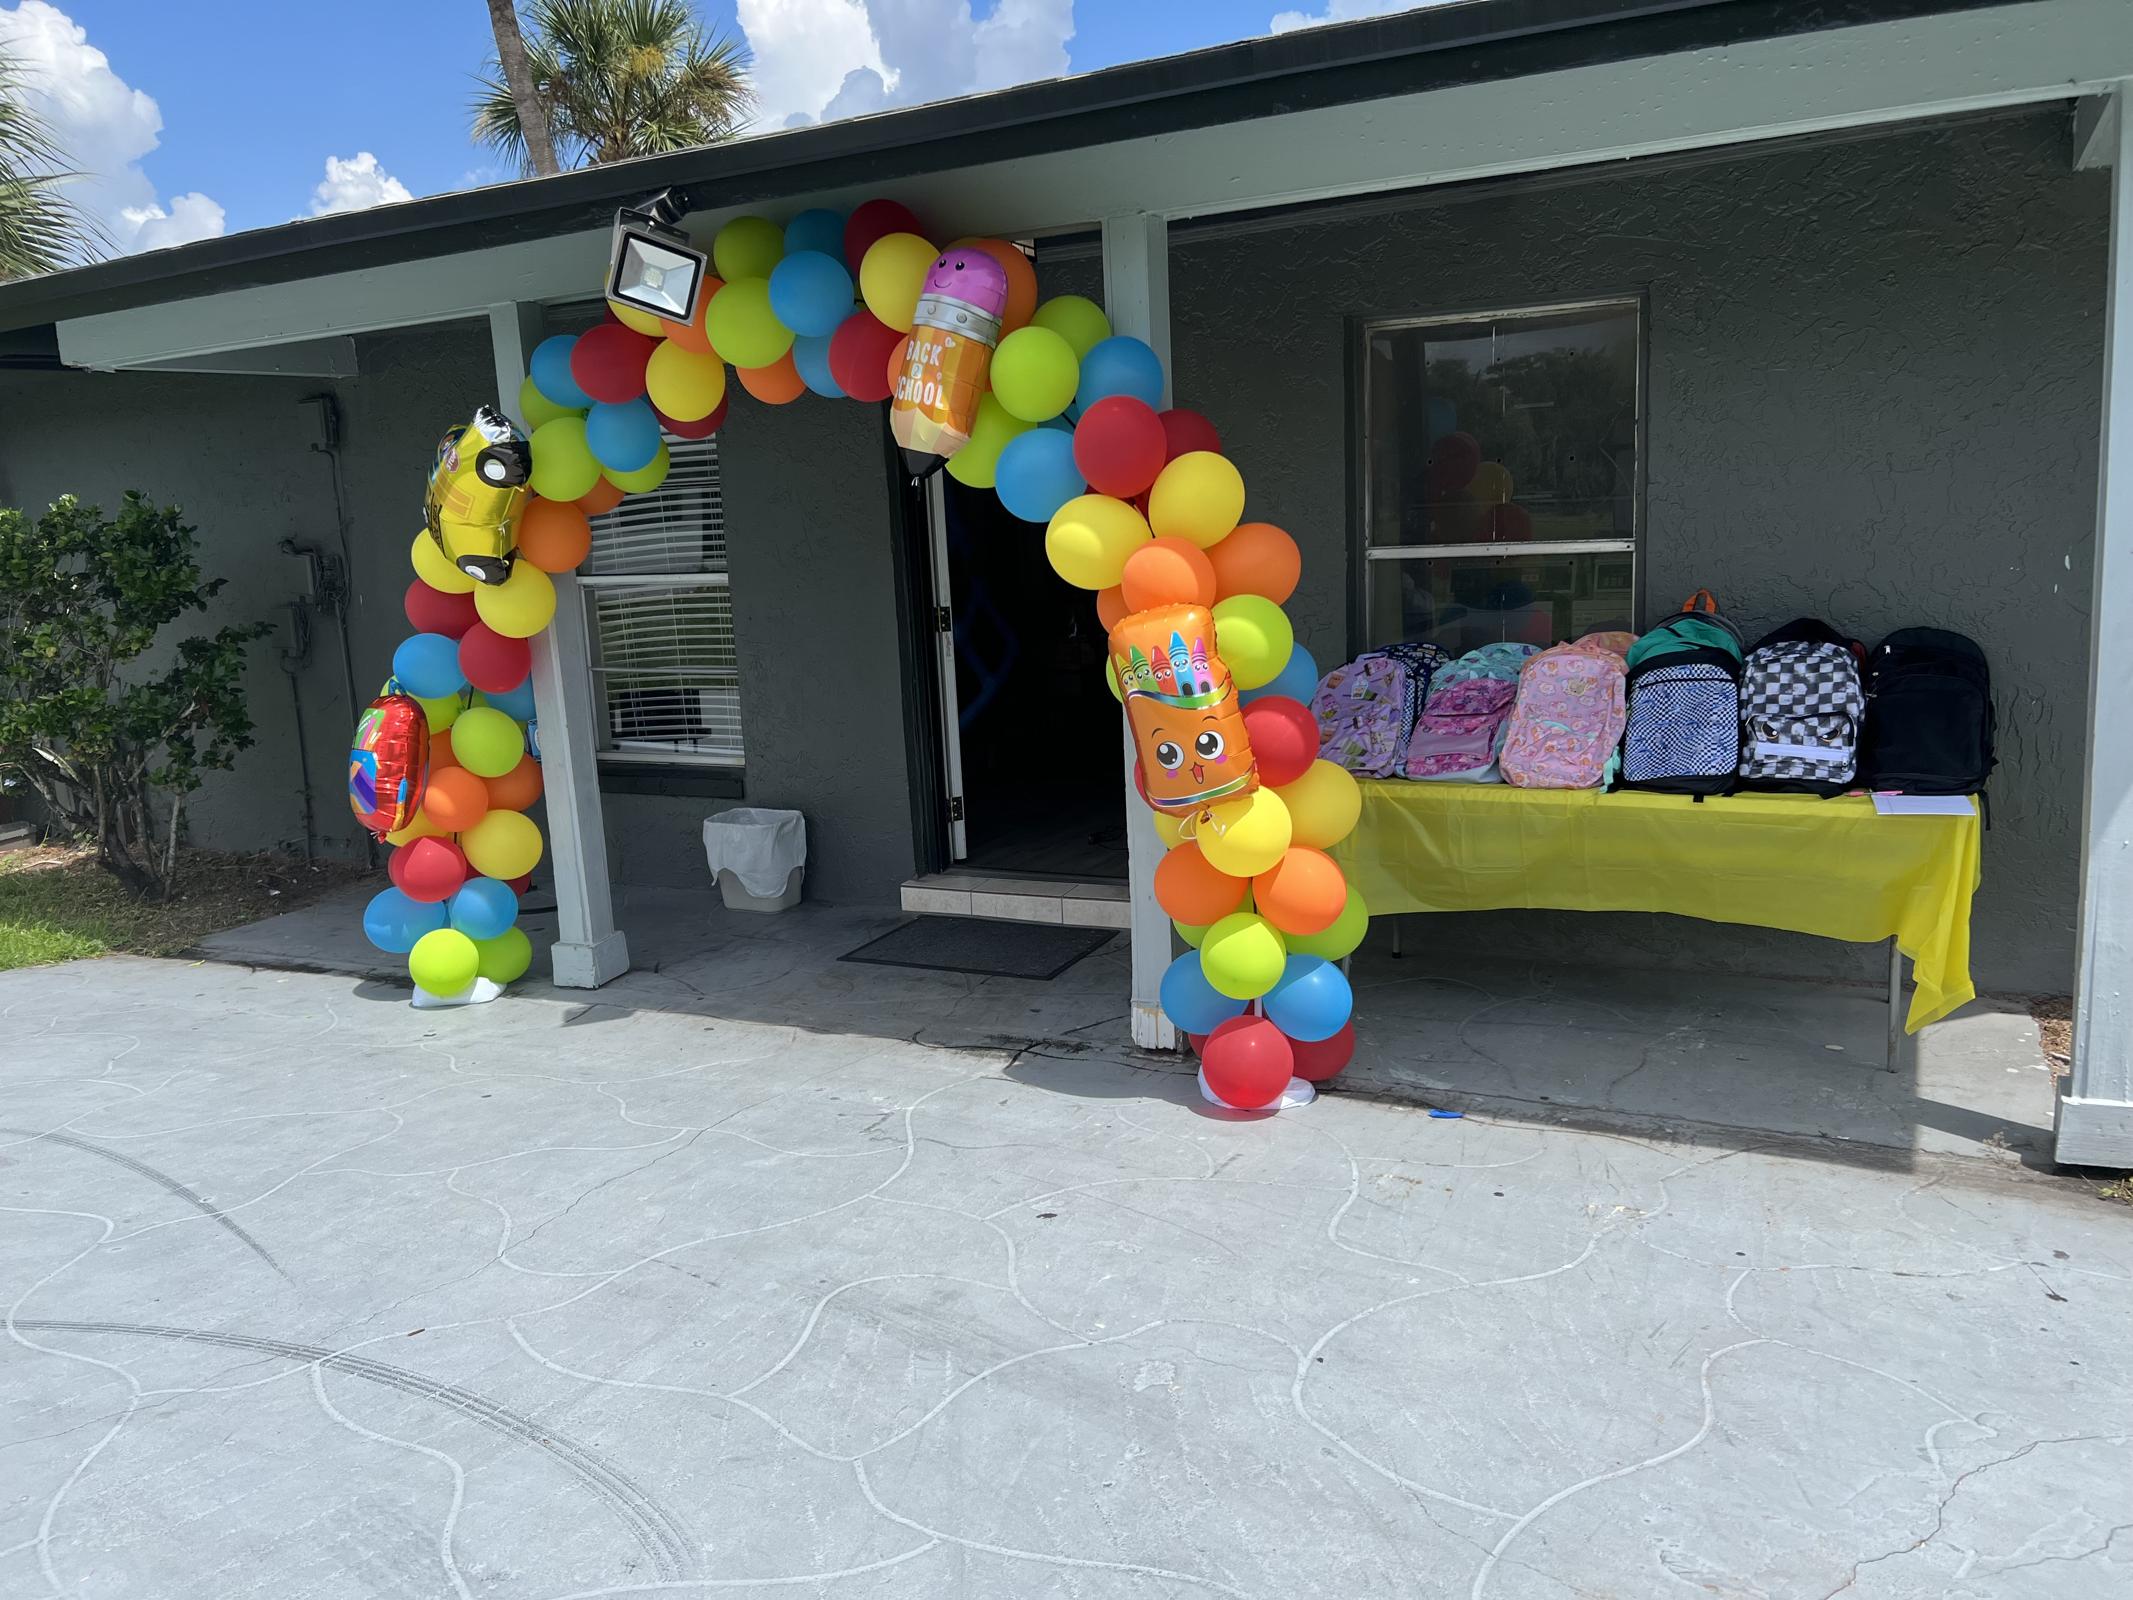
(660, 616)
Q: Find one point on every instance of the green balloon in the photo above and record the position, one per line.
(1035, 373)
(979, 459)
(741, 326)
(1192, 933)
(1242, 955)
(647, 477)
(748, 247)
(1075, 318)
(487, 742)
(1254, 638)
(563, 464)
(505, 957)
(444, 961)
(537, 408)
(1334, 943)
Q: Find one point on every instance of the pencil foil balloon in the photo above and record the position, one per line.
(947, 357)
(1188, 729)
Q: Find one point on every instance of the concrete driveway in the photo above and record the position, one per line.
(308, 1295)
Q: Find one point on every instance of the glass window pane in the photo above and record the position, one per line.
(1461, 603)
(1502, 428)
(664, 671)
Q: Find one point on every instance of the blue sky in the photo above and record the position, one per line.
(199, 118)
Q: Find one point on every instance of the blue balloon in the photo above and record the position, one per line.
(393, 922)
(1190, 1001)
(1311, 1001)
(1298, 679)
(623, 437)
(820, 229)
(811, 293)
(427, 664)
(811, 357)
(1036, 474)
(482, 908)
(517, 704)
(1120, 365)
(549, 366)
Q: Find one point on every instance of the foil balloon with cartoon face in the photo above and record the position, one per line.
(477, 493)
(1188, 727)
(948, 357)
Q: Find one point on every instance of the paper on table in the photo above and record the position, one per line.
(1924, 805)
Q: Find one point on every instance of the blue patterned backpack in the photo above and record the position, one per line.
(1683, 731)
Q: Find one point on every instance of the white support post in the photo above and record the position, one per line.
(1137, 296)
(2095, 1121)
(589, 949)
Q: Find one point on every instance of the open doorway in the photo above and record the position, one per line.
(1034, 749)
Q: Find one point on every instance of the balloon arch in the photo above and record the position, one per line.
(1040, 402)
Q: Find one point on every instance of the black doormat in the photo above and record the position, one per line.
(974, 944)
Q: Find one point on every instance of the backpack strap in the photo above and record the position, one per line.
(1702, 601)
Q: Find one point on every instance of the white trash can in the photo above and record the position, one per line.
(758, 856)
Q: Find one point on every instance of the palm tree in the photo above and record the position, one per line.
(40, 228)
(619, 78)
(532, 114)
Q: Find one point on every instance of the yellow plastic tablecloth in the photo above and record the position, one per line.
(1829, 867)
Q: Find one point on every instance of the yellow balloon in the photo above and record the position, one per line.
(1491, 483)
(1245, 837)
(741, 326)
(519, 607)
(747, 247)
(683, 384)
(1242, 955)
(441, 711)
(1199, 497)
(891, 275)
(504, 844)
(1090, 537)
(978, 460)
(419, 828)
(1169, 826)
(642, 321)
(1324, 803)
(435, 568)
(647, 477)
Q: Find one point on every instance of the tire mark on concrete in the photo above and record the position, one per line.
(661, 1534)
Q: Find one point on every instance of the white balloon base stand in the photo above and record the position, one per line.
(1299, 1093)
(478, 993)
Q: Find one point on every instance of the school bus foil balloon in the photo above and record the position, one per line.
(477, 493)
(1188, 727)
(947, 357)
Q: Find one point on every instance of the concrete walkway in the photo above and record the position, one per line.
(307, 1295)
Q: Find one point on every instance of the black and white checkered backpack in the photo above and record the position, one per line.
(1801, 707)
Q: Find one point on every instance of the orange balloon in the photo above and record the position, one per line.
(778, 384)
(518, 788)
(441, 751)
(1302, 893)
(1189, 889)
(1256, 558)
(602, 496)
(690, 335)
(1021, 280)
(1168, 572)
(554, 534)
(1110, 606)
(455, 799)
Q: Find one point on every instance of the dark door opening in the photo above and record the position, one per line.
(1043, 767)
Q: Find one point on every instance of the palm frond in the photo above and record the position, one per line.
(41, 229)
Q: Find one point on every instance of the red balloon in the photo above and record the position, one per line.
(427, 869)
(1453, 461)
(874, 220)
(1284, 738)
(493, 663)
(1323, 1058)
(703, 428)
(1198, 1041)
(434, 611)
(859, 355)
(520, 884)
(1186, 431)
(1118, 446)
(608, 362)
(1247, 1061)
(1509, 521)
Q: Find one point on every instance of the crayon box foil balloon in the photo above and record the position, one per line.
(389, 762)
(1188, 729)
(476, 495)
(947, 357)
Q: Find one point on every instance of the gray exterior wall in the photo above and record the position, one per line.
(1875, 371)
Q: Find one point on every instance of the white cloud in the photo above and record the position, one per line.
(1344, 11)
(103, 127)
(355, 183)
(823, 59)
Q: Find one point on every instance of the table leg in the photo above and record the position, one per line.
(1395, 937)
(1892, 1058)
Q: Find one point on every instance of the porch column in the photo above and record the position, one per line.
(589, 949)
(1137, 296)
(2095, 1121)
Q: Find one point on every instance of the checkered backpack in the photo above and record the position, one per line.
(1801, 706)
(1683, 730)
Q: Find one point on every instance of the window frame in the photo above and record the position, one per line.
(1366, 556)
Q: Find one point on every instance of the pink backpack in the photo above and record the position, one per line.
(1567, 720)
(1362, 712)
(1459, 729)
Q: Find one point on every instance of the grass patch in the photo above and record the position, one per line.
(56, 904)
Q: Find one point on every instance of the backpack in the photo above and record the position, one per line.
(1366, 709)
(1929, 716)
(1566, 720)
(1462, 723)
(1801, 705)
(1682, 731)
(1696, 624)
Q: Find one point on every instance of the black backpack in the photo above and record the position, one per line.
(1929, 717)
